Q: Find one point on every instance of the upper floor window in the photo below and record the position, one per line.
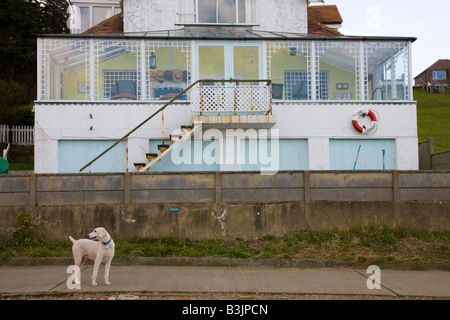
(86, 14)
(439, 75)
(216, 11)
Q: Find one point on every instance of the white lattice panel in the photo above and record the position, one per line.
(230, 99)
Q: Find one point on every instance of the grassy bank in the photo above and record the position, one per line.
(433, 118)
(360, 246)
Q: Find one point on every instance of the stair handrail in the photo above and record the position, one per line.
(268, 82)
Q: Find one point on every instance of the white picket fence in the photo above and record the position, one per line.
(17, 135)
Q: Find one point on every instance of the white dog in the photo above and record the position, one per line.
(99, 251)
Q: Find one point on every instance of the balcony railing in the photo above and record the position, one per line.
(232, 97)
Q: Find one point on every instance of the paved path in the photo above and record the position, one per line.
(50, 279)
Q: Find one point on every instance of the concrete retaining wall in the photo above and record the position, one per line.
(222, 204)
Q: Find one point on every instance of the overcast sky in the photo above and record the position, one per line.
(426, 20)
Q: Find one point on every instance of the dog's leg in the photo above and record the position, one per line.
(107, 265)
(94, 273)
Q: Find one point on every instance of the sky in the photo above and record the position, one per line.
(426, 20)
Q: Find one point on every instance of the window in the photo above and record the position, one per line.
(297, 88)
(85, 15)
(216, 11)
(120, 82)
(439, 75)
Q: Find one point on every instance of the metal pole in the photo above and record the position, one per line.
(357, 155)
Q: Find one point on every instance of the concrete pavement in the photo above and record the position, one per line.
(257, 279)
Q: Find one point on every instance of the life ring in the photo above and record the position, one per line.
(363, 129)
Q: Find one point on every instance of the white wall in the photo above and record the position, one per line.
(282, 15)
(149, 15)
(318, 122)
(271, 15)
(54, 122)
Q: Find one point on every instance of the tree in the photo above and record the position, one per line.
(20, 22)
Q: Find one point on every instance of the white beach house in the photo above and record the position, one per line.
(239, 85)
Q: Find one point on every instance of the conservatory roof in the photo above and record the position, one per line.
(221, 33)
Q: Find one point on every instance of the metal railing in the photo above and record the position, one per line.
(268, 88)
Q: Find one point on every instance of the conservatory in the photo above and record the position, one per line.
(153, 66)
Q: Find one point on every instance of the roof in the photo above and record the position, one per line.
(315, 27)
(325, 14)
(441, 64)
(113, 24)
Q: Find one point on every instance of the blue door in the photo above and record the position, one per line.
(349, 154)
(75, 154)
(291, 154)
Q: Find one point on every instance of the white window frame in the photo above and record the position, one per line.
(436, 72)
(196, 18)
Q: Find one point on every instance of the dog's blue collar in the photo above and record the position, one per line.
(105, 243)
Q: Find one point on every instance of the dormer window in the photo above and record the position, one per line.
(217, 12)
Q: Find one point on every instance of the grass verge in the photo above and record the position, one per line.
(433, 118)
(360, 246)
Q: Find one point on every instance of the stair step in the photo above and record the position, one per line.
(151, 156)
(163, 147)
(139, 166)
(187, 127)
(175, 137)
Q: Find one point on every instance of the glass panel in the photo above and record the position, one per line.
(246, 62)
(207, 11)
(387, 70)
(211, 62)
(100, 14)
(339, 60)
(289, 70)
(118, 76)
(241, 11)
(168, 69)
(186, 12)
(63, 71)
(85, 22)
(439, 75)
(227, 11)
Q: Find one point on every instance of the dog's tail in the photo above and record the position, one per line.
(72, 239)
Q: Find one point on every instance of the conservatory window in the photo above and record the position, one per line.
(387, 69)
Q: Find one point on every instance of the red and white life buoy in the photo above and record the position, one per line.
(363, 113)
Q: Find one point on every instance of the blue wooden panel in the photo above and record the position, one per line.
(292, 154)
(75, 154)
(193, 155)
(343, 154)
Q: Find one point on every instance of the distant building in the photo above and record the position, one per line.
(437, 73)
